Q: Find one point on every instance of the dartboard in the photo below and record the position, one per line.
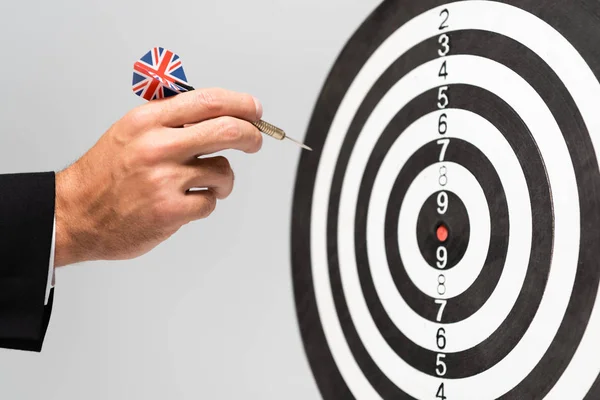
(446, 229)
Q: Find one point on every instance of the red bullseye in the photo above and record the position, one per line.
(442, 233)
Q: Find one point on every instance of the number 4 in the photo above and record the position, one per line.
(444, 143)
(443, 71)
(440, 392)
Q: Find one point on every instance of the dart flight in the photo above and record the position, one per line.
(156, 74)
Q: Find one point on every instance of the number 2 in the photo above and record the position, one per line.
(447, 13)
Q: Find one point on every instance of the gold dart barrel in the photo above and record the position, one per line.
(269, 129)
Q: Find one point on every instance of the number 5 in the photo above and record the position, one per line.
(443, 97)
(440, 365)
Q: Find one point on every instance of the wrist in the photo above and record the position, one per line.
(66, 247)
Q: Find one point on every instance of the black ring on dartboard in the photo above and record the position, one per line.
(576, 21)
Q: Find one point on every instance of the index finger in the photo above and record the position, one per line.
(203, 104)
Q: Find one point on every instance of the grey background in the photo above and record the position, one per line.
(209, 314)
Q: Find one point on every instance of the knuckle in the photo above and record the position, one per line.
(167, 145)
(129, 161)
(210, 99)
(223, 167)
(230, 129)
(155, 147)
(163, 213)
(209, 204)
(229, 187)
(158, 178)
(151, 153)
(256, 142)
(140, 117)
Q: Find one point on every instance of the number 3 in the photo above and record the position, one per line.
(444, 40)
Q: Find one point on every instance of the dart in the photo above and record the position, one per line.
(159, 74)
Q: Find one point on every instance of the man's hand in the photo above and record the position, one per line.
(130, 192)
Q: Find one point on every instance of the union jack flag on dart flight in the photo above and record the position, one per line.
(156, 74)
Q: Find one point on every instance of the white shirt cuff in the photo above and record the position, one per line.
(50, 282)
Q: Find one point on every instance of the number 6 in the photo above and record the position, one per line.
(442, 124)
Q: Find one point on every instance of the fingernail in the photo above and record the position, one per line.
(259, 108)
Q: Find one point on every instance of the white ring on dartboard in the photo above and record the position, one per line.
(563, 59)
(469, 332)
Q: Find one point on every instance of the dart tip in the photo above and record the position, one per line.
(300, 144)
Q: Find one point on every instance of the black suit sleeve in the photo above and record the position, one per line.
(26, 223)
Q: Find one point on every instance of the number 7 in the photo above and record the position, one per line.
(442, 303)
(444, 143)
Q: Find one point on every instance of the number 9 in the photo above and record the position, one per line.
(442, 257)
(442, 200)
